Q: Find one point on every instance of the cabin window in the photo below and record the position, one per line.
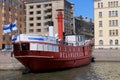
(60, 48)
(16, 47)
(25, 46)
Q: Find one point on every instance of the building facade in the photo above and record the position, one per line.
(107, 23)
(40, 12)
(10, 10)
(84, 26)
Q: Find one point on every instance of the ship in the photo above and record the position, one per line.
(46, 53)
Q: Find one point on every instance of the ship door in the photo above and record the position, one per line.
(25, 46)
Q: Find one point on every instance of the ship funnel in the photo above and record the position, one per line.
(60, 24)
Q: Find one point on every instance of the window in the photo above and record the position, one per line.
(47, 11)
(50, 4)
(21, 6)
(38, 6)
(116, 13)
(9, 9)
(110, 32)
(25, 46)
(45, 5)
(100, 5)
(109, 13)
(108, 4)
(100, 42)
(100, 14)
(4, 15)
(31, 30)
(46, 23)
(38, 30)
(31, 13)
(113, 22)
(116, 22)
(100, 24)
(113, 32)
(110, 23)
(116, 3)
(4, 8)
(20, 19)
(116, 32)
(38, 24)
(49, 16)
(3, 37)
(116, 42)
(113, 4)
(111, 42)
(4, 22)
(20, 25)
(31, 24)
(46, 29)
(31, 7)
(31, 18)
(38, 18)
(38, 12)
(113, 13)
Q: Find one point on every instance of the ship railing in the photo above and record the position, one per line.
(71, 43)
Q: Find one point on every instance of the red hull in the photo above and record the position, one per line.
(43, 64)
(46, 60)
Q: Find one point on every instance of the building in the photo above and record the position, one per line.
(10, 10)
(24, 0)
(84, 26)
(107, 23)
(40, 12)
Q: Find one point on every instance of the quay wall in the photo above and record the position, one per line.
(106, 54)
(9, 63)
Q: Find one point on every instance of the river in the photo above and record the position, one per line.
(93, 71)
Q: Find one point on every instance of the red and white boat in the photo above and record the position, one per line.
(43, 53)
(42, 56)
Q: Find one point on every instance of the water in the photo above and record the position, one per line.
(93, 71)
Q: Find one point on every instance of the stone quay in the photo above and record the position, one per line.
(9, 63)
(106, 54)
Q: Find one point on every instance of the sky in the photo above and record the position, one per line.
(83, 8)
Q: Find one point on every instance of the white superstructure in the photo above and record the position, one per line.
(34, 37)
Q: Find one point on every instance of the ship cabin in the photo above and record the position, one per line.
(45, 43)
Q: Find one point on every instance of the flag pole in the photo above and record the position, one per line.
(18, 33)
(19, 40)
